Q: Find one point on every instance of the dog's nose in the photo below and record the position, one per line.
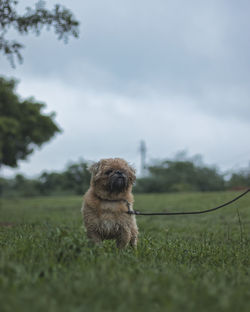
(118, 172)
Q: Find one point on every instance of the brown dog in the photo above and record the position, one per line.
(107, 201)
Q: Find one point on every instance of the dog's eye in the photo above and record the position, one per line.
(108, 171)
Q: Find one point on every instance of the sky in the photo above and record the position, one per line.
(174, 73)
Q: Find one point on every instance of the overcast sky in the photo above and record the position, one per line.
(174, 73)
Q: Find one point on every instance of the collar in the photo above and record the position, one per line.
(116, 200)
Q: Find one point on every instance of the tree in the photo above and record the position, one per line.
(74, 180)
(240, 180)
(77, 177)
(177, 176)
(22, 125)
(33, 20)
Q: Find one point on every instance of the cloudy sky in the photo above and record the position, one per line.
(174, 73)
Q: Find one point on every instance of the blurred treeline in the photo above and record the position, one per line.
(162, 176)
(74, 180)
(184, 176)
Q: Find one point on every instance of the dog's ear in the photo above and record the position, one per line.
(132, 173)
(93, 168)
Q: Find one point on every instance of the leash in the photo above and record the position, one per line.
(136, 212)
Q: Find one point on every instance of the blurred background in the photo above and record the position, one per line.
(163, 84)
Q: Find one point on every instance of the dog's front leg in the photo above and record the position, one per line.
(94, 236)
(124, 238)
(134, 239)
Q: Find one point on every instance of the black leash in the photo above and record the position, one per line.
(135, 212)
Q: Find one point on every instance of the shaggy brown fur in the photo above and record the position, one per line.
(105, 203)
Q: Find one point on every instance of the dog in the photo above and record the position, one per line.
(107, 202)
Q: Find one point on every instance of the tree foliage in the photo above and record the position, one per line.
(74, 179)
(34, 19)
(240, 180)
(22, 125)
(174, 176)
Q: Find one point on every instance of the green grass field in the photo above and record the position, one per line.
(182, 263)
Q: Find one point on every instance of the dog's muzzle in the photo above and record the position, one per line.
(118, 182)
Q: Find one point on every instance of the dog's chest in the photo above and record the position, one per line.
(108, 227)
(110, 218)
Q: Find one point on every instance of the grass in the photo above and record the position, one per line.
(184, 263)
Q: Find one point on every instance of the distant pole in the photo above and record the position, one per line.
(143, 151)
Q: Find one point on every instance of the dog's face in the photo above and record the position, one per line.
(112, 176)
